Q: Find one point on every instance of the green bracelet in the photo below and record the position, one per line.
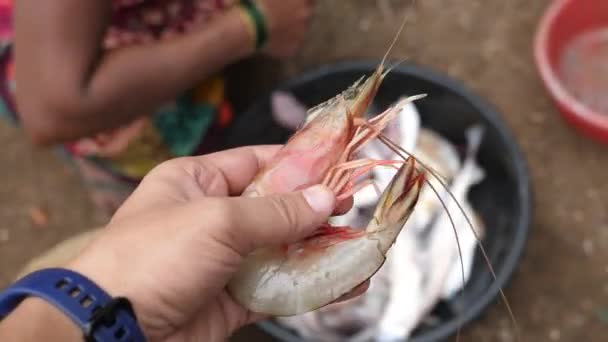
(259, 22)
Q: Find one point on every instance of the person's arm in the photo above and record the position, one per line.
(36, 320)
(68, 88)
(189, 213)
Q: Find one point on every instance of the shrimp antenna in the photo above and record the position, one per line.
(392, 67)
(405, 20)
(400, 151)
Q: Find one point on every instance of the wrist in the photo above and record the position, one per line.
(44, 323)
(106, 274)
(240, 27)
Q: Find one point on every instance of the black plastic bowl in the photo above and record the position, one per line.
(503, 199)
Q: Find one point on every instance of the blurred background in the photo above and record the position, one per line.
(560, 290)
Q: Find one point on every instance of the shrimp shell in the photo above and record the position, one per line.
(315, 272)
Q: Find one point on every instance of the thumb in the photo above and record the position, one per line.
(276, 219)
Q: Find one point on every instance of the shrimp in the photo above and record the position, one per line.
(310, 274)
(314, 272)
(307, 275)
(286, 281)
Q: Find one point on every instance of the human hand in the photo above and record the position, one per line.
(287, 23)
(176, 242)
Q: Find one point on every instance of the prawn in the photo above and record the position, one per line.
(304, 276)
(310, 274)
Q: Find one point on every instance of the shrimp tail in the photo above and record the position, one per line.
(396, 204)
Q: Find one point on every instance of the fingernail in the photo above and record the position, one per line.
(320, 199)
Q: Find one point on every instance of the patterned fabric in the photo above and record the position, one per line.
(112, 163)
(136, 21)
(5, 19)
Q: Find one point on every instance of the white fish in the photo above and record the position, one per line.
(437, 152)
(468, 245)
(429, 254)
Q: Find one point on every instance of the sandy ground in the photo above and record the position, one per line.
(560, 292)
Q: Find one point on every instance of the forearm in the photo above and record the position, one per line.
(70, 98)
(134, 81)
(36, 320)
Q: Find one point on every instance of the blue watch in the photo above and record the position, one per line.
(101, 317)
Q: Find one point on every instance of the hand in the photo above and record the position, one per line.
(113, 143)
(175, 243)
(288, 23)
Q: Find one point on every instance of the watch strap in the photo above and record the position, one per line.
(101, 317)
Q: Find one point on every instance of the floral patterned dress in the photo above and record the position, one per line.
(112, 163)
